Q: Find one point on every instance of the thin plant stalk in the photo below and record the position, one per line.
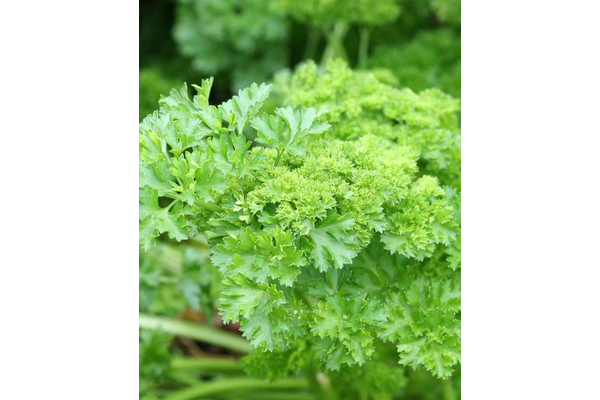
(363, 46)
(312, 42)
(235, 385)
(335, 43)
(201, 364)
(193, 330)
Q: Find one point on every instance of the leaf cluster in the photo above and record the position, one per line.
(328, 12)
(244, 38)
(318, 239)
(430, 60)
(361, 105)
(447, 10)
(154, 361)
(153, 84)
(173, 277)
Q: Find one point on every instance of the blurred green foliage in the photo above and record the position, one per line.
(447, 10)
(245, 41)
(155, 362)
(244, 37)
(431, 60)
(153, 84)
(176, 276)
(330, 12)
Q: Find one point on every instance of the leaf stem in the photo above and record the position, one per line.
(192, 330)
(311, 43)
(274, 395)
(188, 380)
(279, 154)
(448, 390)
(205, 364)
(236, 384)
(335, 43)
(363, 46)
(209, 206)
(171, 204)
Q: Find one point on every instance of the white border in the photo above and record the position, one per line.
(530, 125)
(68, 288)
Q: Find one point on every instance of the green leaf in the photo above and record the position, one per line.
(209, 181)
(289, 128)
(346, 323)
(453, 251)
(178, 103)
(201, 99)
(245, 105)
(261, 310)
(155, 220)
(231, 155)
(423, 221)
(157, 177)
(260, 256)
(277, 364)
(333, 243)
(425, 324)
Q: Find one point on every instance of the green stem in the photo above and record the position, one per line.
(311, 43)
(335, 43)
(171, 204)
(279, 154)
(183, 378)
(274, 396)
(340, 51)
(163, 148)
(363, 46)
(236, 384)
(448, 390)
(192, 330)
(205, 364)
(209, 206)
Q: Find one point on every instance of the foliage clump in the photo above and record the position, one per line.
(245, 40)
(153, 84)
(430, 60)
(323, 228)
(155, 362)
(360, 105)
(447, 11)
(328, 12)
